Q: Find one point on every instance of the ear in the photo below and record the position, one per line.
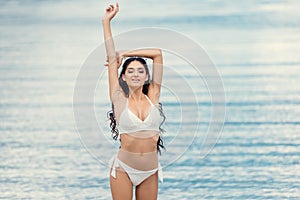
(123, 77)
(147, 78)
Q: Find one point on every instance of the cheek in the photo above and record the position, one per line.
(144, 75)
(126, 75)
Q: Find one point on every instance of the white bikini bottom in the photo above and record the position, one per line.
(138, 166)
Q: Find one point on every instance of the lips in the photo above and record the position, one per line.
(135, 80)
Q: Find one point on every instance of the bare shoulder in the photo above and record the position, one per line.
(118, 94)
(154, 92)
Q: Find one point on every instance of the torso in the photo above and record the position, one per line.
(138, 127)
(137, 144)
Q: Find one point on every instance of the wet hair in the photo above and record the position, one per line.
(125, 88)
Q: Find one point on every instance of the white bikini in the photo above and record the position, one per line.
(139, 166)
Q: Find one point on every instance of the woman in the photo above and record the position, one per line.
(136, 118)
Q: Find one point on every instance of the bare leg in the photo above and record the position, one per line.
(148, 189)
(121, 186)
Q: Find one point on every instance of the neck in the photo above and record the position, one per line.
(136, 94)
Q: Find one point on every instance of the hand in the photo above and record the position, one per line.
(110, 12)
(119, 59)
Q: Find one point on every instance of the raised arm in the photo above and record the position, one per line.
(110, 12)
(157, 70)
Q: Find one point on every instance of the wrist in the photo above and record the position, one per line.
(121, 53)
(105, 21)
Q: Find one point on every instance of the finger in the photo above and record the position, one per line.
(117, 6)
(109, 8)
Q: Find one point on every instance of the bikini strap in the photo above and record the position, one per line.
(149, 100)
(127, 102)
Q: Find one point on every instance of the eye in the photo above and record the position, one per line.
(130, 71)
(141, 71)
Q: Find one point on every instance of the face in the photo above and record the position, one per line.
(135, 75)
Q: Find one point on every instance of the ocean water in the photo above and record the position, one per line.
(254, 46)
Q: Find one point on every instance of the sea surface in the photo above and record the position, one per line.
(254, 47)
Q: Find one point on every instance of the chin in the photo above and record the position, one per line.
(135, 86)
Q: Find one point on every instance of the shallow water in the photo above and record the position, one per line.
(254, 46)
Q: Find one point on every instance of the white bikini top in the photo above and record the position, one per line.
(130, 123)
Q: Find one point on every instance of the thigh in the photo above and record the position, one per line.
(121, 186)
(148, 189)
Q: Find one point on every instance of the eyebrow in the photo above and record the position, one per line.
(137, 68)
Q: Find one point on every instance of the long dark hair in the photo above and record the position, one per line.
(124, 86)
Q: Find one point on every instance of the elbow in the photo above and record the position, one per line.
(159, 52)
